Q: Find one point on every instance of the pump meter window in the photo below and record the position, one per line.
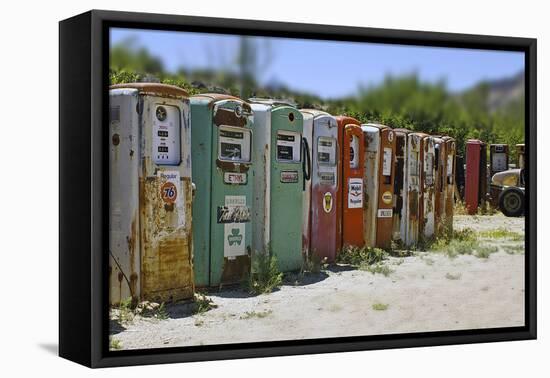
(326, 151)
(166, 135)
(233, 144)
(288, 147)
(499, 161)
(354, 152)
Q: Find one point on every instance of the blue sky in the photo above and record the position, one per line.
(328, 68)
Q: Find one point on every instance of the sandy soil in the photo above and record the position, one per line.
(425, 292)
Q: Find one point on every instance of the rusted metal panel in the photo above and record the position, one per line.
(371, 140)
(413, 197)
(400, 185)
(440, 183)
(352, 181)
(124, 242)
(476, 176)
(521, 155)
(150, 194)
(325, 235)
(154, 89)
(165, 201)
(306, 193)
(427, 184)
(222, 160)
(378, 184)
(278, 182)
(450, 179)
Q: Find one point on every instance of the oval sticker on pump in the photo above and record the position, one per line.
(387, 197)
(327, 202)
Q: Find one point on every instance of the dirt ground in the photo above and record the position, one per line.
(426, 291)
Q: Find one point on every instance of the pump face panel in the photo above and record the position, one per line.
(233, 144)
(288, 147)
(166, 135)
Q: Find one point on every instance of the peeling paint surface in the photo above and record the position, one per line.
(379, 170)
(278, 182)
(222, 229)
(414, 197)
(325, 239)
(450, 182)
(476, 173)
(150, 214)
(400, 212)
(371, 142)
(353, 156)
(427, 185)
(124, 242)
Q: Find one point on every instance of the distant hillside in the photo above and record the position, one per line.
(505, 91)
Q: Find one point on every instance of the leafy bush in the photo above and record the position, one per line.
(265, 275)
(361, 256)
(202, 304)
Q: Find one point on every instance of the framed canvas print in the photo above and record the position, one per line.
(234, 188)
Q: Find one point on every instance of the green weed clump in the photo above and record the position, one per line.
(363, 256)
(114, 344)
(453, 277)
(313, 263)
(202, 304)
(502, 233)
(125, 310)
(265, 275)
(256, 314)
(467, 242)
(380, 306)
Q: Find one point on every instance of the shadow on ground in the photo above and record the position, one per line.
(304, 279)
(115, 327)
(337, 268)
(181, 310)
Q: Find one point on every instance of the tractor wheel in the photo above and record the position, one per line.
(511, 202)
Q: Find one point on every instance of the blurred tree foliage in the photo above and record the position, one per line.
(399, 102)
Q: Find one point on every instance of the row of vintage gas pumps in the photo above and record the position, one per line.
(198, 184)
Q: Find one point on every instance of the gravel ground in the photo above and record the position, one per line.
(427, 291)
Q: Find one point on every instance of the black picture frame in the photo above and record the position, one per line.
(83, 182)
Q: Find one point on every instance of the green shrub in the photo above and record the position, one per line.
(202, 304)
(265, 275)
(380, 306)
(361, 256)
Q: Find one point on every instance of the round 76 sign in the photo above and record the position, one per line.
(168, 187)
(169, 192)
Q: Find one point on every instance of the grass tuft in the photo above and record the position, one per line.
(265, 275)
(202, 304)
(380, 306)
(502, 233)
(256, 314)
(453, 277)
(114, 344)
